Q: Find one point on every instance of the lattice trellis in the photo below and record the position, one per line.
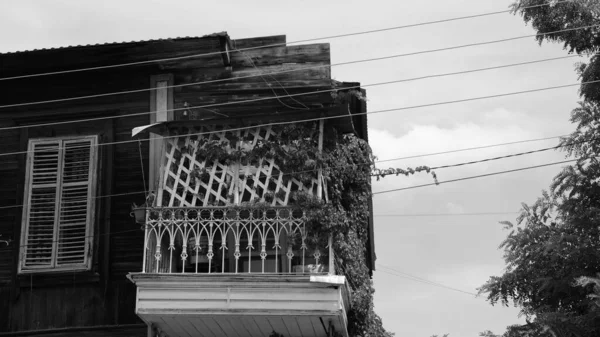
(225, 184)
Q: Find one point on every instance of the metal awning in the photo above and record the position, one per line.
(145, 128)
(339, 117)
(162, 128)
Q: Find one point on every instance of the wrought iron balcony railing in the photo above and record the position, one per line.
(231, 240)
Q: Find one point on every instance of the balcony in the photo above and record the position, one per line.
(234, 271)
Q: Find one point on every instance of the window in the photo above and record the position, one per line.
(59, 203)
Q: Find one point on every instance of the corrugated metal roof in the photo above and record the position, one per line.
(116, 43)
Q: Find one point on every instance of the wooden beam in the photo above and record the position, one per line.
(161, 102)
(318, 52)
(258, 41)
(225, 51)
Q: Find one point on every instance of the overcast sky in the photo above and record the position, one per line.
(457, 251)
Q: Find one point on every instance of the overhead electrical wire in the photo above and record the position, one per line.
(375, 175)
(387, 160)
(474, 177)
(274, 97)
(291, 173)
(274, 44)
(408, 215)
(80, 237)
(470, 148)
(410, 187)
(83, 199)
(68, 99)
(344, 116)
(398, 273)
(512, 155)
(277, 97)
(377, 215)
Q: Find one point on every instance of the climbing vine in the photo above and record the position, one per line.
(381, 173)
(296, 151)
(347, 166)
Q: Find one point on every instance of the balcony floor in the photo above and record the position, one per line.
(242, 304)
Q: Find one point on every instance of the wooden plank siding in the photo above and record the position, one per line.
(125, 330)
(69, 58)
(259, 41)
(104, 296)
(49, 301)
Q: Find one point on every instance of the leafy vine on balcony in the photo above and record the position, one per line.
(347, 166)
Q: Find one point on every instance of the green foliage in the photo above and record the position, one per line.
(346, 218)
(562, 15)
(295, 147)
(568, 15)
(585, 281)
(552, 251)
(347, 164)
(381, 173)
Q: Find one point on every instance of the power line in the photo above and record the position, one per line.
(471, 148)
(264, 98)
(394, 171)
(344, 116)
(343, 166)
(411, 187)
(398, 273)
(512, 155)
(298, 69)
(81, 237)
(76, 200)
(278, 97)
(442, 214)
(474, 177)
(135, 230)
(271, 45)
(381, 174)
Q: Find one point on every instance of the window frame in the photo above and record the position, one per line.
(91, 206)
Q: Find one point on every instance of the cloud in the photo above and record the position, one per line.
(494, 127)
(454, 208)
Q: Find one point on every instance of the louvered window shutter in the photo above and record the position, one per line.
(59, 200)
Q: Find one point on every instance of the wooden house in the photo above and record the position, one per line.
(203, 263)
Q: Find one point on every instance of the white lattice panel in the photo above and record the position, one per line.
(218, 188)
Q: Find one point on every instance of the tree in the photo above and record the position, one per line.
(488, 333)
(553, 251)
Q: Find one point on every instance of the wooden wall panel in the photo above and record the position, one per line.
(318, 52)
(110, 298)
(77, 305)
(258, 41)
(65, 300)
(9, 143)
(108, 54)
(125, 330)
(5, 307)
(127, 239)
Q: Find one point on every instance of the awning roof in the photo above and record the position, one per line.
(338, 116)
(147, 128)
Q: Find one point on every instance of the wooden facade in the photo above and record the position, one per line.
(100, 300)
